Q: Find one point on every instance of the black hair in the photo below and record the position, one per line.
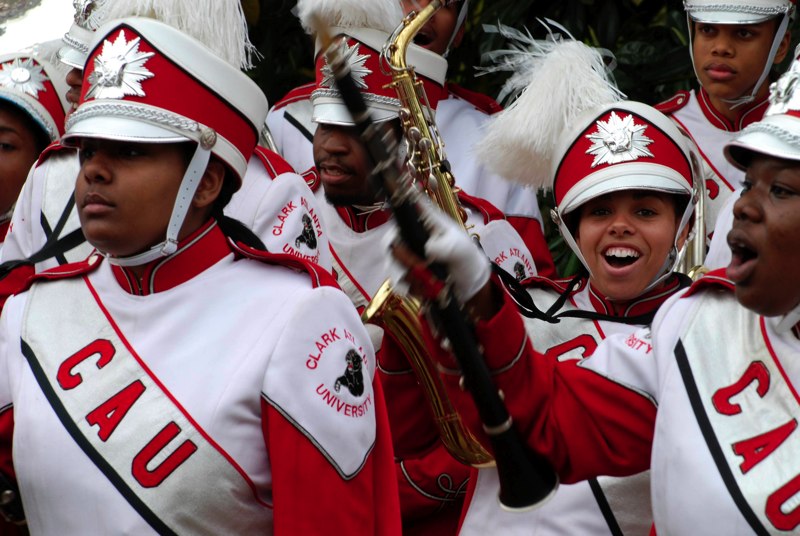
(230, 227)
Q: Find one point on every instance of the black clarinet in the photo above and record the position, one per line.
(525, 477)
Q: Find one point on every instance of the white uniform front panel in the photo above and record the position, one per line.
(211, 342)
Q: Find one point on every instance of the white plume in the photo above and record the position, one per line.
(218, 24)
(554, 81)
(384, 15)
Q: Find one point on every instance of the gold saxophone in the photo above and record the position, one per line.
(427, 164)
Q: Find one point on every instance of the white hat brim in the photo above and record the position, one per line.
(765, 138)
(72, 57)
(729, 17)
(120, 129)
(652, 177)
(331, 113)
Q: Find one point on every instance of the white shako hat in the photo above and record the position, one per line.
(737, 11)
(219, 24)
(567, 130)
(144, 81)
(742, 12)
(366, 27)
(778, 132)
(34, 81)
(88, 18)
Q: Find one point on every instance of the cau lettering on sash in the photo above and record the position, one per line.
(127, 423)
(747, 410)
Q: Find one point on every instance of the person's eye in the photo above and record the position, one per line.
(7, 147)
(647, 212)
(780, 192)
(86, 153)
(746, 186)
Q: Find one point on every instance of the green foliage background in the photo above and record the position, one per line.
(649, 39)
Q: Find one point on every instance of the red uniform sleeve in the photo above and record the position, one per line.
(584, 423)
(309, 495)
(531, 232)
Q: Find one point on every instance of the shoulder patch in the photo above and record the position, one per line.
(673, 104)
(51, 149)
(273, 162)
(20, 277)
(715, 279)
(297, 94)
(482, 102)
(318, 275)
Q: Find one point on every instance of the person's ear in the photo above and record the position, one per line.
(210, 185)
(783, 48)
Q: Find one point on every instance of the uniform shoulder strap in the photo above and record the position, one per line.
(674, 103)
(482, 102)
(273, 162)
(715, 279)
(297, 94)
(318, 275)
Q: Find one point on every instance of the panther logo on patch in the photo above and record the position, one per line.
(353, 377)
(519, 271)
(308, 236)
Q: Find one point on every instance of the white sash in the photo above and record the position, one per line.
(746, 409)
(175, 476)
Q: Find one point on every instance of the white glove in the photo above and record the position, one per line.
(467, 266)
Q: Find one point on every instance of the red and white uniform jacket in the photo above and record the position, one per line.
(723, 446)
(461, 118)
(432, 483)
(274, 202)
(710, 131)
(604, 505)
(228, 391)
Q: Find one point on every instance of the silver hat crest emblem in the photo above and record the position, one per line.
(87, 13)
(23, 75)
(356, 62)
(783, 94)
(119, 70)
(618, 140)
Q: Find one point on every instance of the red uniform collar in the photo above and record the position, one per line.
(196, 253)
(361, 221)
(747, 113)
(644, 304)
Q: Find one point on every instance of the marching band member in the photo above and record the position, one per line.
(461, 116)
(217, 389)
(432, 481)
(722, 442)
(625, 211)
(734, 46)
(32, 108)
(273, 201)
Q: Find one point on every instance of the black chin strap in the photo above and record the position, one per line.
(528, 308)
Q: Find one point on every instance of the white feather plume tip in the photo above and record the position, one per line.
(219, 24)
(384, 15)
(554, 81)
